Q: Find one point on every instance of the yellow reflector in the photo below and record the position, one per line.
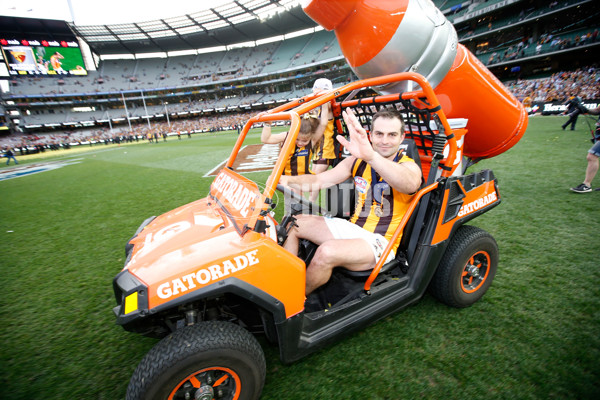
(131, 303)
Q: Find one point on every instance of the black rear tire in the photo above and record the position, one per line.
(467, 268)
(220, 359)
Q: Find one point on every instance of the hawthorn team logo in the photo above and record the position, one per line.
(20, 56)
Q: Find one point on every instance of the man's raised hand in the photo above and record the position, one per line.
(359, 145)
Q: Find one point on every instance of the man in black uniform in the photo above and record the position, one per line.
(574, 108)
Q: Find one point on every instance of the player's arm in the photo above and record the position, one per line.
(405, 177)
(267, 137)
(309, 182)
(323, 121)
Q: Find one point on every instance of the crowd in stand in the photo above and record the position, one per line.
(556, 43)
(578, 40)
(584, 81)
(155, 131)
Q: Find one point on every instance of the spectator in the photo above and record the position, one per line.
(593, 159)
(9, 154)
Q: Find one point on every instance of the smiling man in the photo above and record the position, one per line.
(384, 179)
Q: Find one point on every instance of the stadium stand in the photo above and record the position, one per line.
(285, 54)
(530, 40)
(521, 47)
(554, 87)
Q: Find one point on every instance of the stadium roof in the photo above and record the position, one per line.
(235, 22)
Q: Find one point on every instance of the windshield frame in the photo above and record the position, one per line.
(292, 112)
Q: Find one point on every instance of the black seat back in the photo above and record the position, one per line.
(410, 148)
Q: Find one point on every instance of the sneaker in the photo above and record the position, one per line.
(582, 188)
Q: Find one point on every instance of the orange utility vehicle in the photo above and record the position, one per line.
(210, 275)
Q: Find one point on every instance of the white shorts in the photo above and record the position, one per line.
(344, 229)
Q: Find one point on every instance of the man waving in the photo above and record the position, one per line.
(384, 179)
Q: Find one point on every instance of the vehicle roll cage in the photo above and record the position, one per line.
(435, 141)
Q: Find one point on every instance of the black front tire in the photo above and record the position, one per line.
(220, 359)
(467, 268)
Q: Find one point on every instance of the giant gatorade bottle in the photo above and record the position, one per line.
(381, 37)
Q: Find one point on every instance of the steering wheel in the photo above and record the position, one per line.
(288, 220)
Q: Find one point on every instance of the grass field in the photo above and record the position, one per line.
(534, 335)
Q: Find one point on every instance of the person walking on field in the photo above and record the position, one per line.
(574, 108)
(9, 154)
(593, 159)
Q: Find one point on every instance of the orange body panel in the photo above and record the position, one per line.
(196, 246)
(476, 199)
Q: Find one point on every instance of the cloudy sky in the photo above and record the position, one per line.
(91, 12)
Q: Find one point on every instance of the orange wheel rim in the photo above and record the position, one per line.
(475, 272)
(216, 379)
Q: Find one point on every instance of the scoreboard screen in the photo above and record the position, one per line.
(40, 47)
(42, 58)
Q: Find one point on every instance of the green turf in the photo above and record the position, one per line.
(535, 335)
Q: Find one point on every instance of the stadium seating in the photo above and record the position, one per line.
(271, 72)
(285, 54)
(449, 4)
(509, 51)
(180, 71)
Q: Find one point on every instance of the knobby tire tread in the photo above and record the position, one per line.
(442, 285)
(211, 335)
